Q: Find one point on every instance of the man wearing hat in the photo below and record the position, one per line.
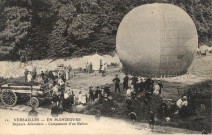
(107, 89)
(91, 94)
(149, 84)
(134, 81)
(96, 95)
(117, 81)
(125, 82)
(160, 85)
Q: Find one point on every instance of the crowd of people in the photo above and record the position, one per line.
(88, 68)
(136, 87)
(63, 97)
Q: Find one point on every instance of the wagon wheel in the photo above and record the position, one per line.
(34, 102)
(8, 98)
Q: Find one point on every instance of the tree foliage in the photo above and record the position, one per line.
(66, 28)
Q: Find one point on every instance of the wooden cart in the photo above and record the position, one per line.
(12, 92)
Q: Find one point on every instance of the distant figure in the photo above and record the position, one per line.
(141, 86)
(85, 67)
(23, 60)
(125, 82)
(149, 85)
(42, 75)
(51, 75)
(29, 77)
(98, 114)
(33, 113)
(161, 86)
(97, 92)
(107, 90)
(134, 81)
(91, 94)
(34, 73)
(69, 68)
(25, 75)
(133, 116)
(100, 67)
(117, 81)
(104, 69)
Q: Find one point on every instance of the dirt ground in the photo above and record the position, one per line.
(198, 72)
(106, 125)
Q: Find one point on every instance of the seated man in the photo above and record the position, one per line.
(107, 90)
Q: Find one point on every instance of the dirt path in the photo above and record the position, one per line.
(105, 125)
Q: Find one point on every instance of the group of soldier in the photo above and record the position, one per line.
(145, 87)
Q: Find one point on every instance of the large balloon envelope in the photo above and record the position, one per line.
(156, 39)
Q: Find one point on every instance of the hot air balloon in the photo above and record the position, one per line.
(157, 40)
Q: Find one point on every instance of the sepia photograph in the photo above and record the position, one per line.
(97, 67)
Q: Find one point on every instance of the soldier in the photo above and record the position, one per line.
(42, 75)
(91, 94)
(160, 85)
(51, 75)
(25, 75)
(125, 82)
(107, 90)
(34, 73)
(117, 81)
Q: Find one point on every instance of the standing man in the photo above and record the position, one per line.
(42, 75)
(141, 86)
(29, 77)
(117, 81)
(149, 84)
(100, 69)
(134, 81)
(34, 73)
(91, 94)
(25, 75)
(160, 85)
(125, 82)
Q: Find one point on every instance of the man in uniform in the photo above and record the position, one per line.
(125, 82)
(25, 75)
(134, 81)
(160, 85)
(117, 81)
